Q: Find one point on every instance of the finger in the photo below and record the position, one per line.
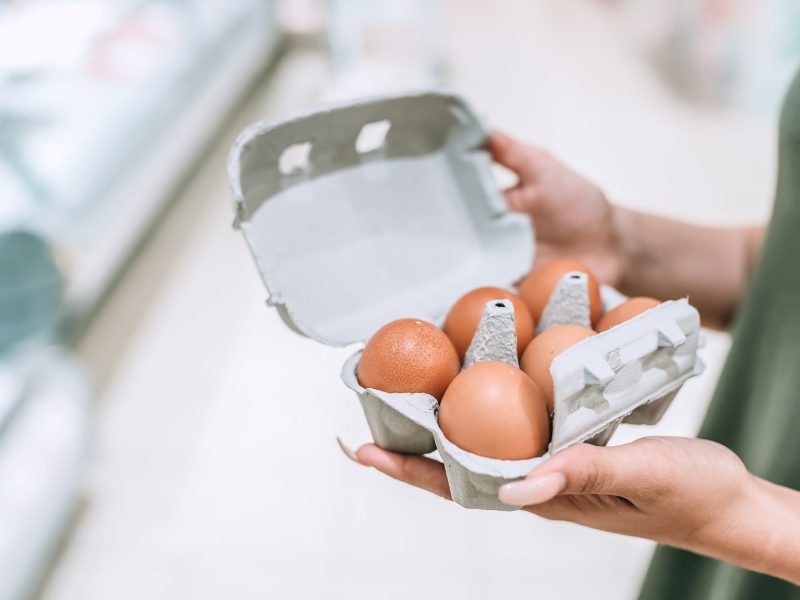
(554, 509)
(581, 469)
(534, 490)
(507, 151)
(347, 450)
(589, 510)
(520, 198)
(514, 199)
(560, 508)
(418, 471)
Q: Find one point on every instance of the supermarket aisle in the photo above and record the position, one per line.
(216, 471)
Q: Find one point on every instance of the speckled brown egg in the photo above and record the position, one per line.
(539, 355)
(409, 355)
(537, 287)
(464, 317)
(627, 310)
(493, 409)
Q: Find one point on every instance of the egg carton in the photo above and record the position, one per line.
(372, 210)
(629, 374)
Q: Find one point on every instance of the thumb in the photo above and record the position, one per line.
(581, 469)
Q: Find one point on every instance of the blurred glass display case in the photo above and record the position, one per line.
(105, 106)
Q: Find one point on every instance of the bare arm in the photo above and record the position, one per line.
(670, 259)
(639, 254)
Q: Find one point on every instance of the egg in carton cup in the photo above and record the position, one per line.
(364, 212)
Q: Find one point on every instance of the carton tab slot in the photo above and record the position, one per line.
(372, 136)
(295, 158)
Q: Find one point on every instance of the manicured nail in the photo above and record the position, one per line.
(348, 452)
(532, 491)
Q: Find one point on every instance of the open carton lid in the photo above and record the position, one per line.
(373, 210)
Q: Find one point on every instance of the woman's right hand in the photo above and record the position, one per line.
(689, 493)
(571, 215)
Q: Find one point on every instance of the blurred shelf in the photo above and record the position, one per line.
(100, 244)
(89, 161)
(93, 146)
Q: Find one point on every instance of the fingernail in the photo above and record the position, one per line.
(532, 491)
(348, 452)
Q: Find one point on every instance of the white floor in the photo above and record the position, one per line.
(216, 473)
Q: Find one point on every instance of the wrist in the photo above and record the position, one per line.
(775, 513)
(755, 529)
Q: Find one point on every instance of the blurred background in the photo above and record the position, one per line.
(162, 433)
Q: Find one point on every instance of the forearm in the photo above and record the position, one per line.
(669, 259)
(760, 533)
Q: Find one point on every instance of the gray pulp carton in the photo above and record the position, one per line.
(369, 211)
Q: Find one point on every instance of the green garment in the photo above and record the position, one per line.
(756, 407)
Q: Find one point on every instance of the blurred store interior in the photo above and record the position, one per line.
(162, 433)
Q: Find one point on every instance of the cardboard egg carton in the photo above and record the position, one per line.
(628, 374)
(361, 213)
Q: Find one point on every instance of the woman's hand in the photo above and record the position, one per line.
(688, 493)
(668, 489)
(571, 215)
(639, 254)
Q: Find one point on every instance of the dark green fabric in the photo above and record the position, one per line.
(756, 407)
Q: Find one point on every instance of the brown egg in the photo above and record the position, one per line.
(409, 355)
(627, 310)
(493, 409)
(539, 355)
(537, 287)
(464, 317)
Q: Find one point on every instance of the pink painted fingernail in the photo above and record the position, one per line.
(532, 491)
(348, 452)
